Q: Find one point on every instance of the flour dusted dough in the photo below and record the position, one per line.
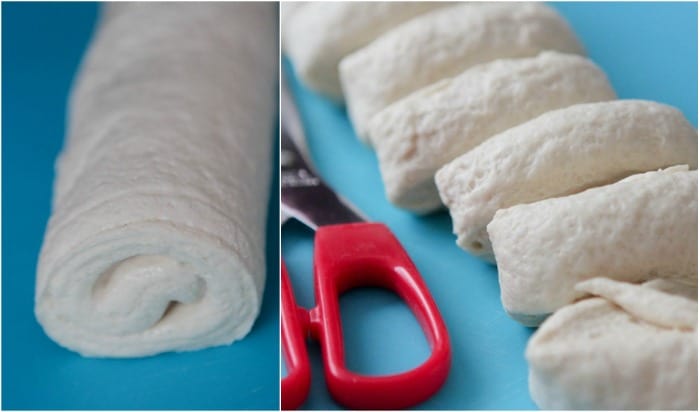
(156, 240)
(633, 347)
(558, 153)
(319, 34)
(417, 135)
(442, 44)
(642, 227)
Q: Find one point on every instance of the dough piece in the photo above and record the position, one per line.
(443, 44)
(289, 8)
(319, 34)
(642, 227)
(659, 306)
(416, 136)
(634, 347)
(156, 241)
(560, 152)
(287, 11)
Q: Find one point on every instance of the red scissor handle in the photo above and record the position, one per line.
(295, 386)
(367, 254)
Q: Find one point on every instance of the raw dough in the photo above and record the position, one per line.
(156, 240)
(319, 34)
(642, 227)
(417, 135)
(442, 44)
(287, 10)
(633, 347)
(558, 153)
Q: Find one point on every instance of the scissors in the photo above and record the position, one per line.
(349, 252)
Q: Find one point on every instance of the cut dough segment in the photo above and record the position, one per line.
(558, 153)
(318, 34)
(599, 354)
(443, 44)
(287, 11)
(417, 135)
(642, 227)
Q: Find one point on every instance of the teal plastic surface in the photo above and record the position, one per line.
(648, 50)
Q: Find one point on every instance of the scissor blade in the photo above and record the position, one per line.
(304, 195)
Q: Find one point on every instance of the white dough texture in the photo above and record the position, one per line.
(417, 135)
(631, 347)
(317, 35)
(442, 44)
(156, 239)
(558, 153)
(642, 227)
(287, 10)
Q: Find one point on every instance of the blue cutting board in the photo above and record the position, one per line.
(648, 50)
(42, 46)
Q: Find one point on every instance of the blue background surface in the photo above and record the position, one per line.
(42, 47)
(648, 50)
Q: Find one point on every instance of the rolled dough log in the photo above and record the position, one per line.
(417, 135)
(642, 227)
(156, 240)
(558, 153)
(442, 44)
(319, 34)
(634, 347)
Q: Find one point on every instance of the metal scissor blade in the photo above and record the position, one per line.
(291, 121)
(304, 195)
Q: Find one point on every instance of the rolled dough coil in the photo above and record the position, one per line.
(442, 44)
(156, 238)
(640, 228)
(630, 347)
(561, 152)
(317, 35)
(419, 134)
